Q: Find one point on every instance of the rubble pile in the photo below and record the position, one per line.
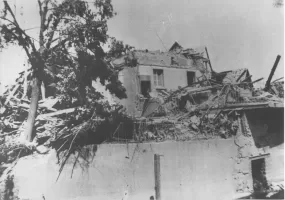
(206, 110)
(277, 88)
(196, 125)
(65, 129)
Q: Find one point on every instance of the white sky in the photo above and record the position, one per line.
(238, 34)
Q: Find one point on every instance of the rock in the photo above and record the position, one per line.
(178, 126)
(42, 149)
(2, 140)
(194, 127)
(195, 120)
(42, 139)
(223, 134)
(186, 124)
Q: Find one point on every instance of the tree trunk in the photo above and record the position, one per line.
(33, 108)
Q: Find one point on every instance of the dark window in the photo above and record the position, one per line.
(145, 88)
(158, 77)
(190, 78)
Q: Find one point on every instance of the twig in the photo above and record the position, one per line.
(277, 80)
(193, 99)
(74, 165)
(116, 129)
(62, 145)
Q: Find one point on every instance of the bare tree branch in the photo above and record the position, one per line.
(52, 34)
(60, 43)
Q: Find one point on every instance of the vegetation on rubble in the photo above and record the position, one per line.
(68, 53)
(66, 57)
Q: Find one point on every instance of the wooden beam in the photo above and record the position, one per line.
(267, 85)
(257, 80)
(11, 94)
(246, 79)
(209, 59)
(241, 75)
(65, 111)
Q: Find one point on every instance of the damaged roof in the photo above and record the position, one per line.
(237, 76)
(184, 58)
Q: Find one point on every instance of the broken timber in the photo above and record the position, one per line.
(65, 111)
(241, 75)
(267, 85)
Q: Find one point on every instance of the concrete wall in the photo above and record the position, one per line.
(173, 77)
(189, 170)
(274, 164)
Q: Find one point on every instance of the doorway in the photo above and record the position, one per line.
(190, 78)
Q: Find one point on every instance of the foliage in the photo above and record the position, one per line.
(118, 48)
(70, 41)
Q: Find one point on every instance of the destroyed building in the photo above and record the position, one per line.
(208, 105)
(159, 72)
(221, 131)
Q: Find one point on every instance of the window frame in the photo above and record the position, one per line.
(158, 77)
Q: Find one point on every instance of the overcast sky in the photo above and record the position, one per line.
(238, 34)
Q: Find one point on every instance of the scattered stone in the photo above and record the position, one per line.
(194, 127)
(42, 149)
(195, 120)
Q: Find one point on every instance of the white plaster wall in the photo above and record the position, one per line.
(274, 164)
(189, 170)
(173, 77)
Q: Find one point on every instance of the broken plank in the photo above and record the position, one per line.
(241, 75)
(11, 94)
(267, 85)
(257, 80)
(247, 78)
(48, 102)
(203, 89)
(60, 112)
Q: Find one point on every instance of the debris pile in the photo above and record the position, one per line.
(207, 109)
(57, 126)
(277, 88)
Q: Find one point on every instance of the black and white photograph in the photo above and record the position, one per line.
(141, 99)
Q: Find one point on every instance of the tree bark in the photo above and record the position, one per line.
(33, 108)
